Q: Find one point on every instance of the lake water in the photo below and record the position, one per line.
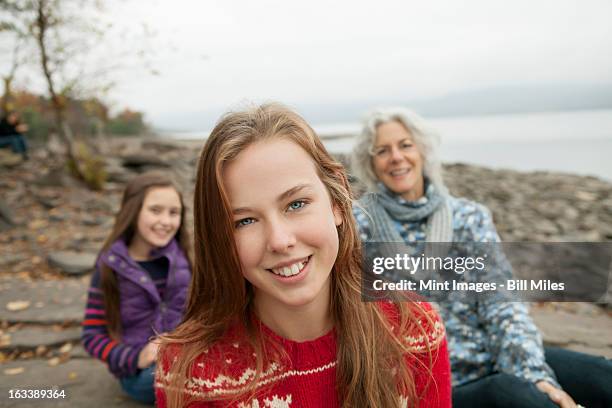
(578, 142)
(572, 142)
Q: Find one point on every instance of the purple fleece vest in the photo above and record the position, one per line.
(143, 312)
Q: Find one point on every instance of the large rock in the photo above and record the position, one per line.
(73, 263)
(116, 172)
(537, 206)
(143, 161)
(43, 302)
(160, 145)
(574, 330)
(9, 259)
(57, 177)
(86, 383)
(29, 338)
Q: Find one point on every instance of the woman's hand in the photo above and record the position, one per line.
(559, 397)
(148, 354)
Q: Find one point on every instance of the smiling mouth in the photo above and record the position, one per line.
(291, 270)
(399, 172)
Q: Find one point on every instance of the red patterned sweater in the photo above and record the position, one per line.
(309, 380)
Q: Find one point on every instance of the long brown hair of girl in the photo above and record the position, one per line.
(371, 369)
(124, 228)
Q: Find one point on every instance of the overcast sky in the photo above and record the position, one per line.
(213, 54)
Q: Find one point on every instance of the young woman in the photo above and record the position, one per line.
(275, 316)
(140, 284)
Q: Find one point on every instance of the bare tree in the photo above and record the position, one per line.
(18, 35)
(47, 19)
(63, 34)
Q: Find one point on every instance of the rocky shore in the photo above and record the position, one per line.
(51, 228)
(51, 212)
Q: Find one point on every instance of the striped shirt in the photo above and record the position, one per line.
(121, 358)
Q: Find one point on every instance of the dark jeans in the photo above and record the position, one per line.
(16, 142)
(587, 379)
(140, 386)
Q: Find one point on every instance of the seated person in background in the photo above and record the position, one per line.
(11, 134)
(496, 351)
(140, 283)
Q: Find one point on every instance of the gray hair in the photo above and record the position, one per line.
(426, 140)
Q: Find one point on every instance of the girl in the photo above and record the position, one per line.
(274, 316)
(140, 283)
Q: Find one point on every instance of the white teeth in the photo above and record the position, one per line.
(290, 270)
(399, 172)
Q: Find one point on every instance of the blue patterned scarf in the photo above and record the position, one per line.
(386, 209)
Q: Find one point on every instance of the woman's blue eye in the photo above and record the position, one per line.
(244, 222)
(297, 205)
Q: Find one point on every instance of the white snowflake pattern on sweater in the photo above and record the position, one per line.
(275, 402)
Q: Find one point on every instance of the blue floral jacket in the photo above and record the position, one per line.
(483, 337)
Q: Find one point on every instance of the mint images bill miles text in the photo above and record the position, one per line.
(434, 285)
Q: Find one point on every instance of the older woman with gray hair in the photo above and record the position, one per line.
(496, 351)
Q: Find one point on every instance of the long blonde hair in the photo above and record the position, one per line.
(371, 368)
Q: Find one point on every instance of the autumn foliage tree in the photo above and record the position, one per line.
(87, 117)
(127, 122)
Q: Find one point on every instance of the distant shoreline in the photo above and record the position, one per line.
(356, 122)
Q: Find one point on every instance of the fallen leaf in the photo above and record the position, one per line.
(17, 305)
(65, 348)
(54, 361)
(72, 375)
(37, 224)
(5, 340)
(14, 371)
(40, 350)
(15, 327)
